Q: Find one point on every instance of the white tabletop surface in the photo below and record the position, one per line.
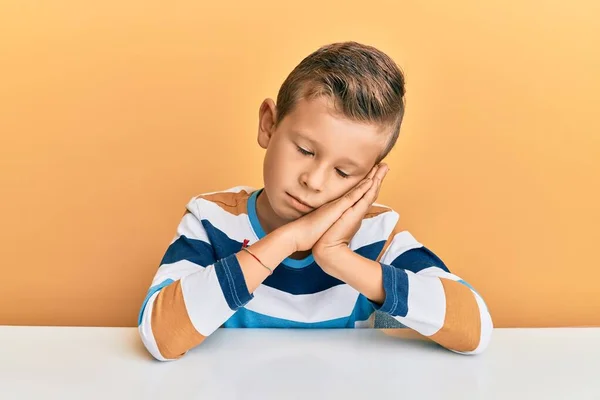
(111, 363)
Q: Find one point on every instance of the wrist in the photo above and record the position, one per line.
(330, 258)
(270, 251)
(285, 239)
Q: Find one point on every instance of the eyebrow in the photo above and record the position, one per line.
(346, 160)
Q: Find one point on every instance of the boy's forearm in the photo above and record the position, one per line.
(362, 274)
(444, 308)
(271, 250)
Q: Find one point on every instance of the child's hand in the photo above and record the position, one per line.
(306, 231)
(342, 231)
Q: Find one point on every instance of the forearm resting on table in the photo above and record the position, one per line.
(179, 314)
(441, 306)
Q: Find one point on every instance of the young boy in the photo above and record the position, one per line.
(311, 249)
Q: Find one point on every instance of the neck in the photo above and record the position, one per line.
(266, 216)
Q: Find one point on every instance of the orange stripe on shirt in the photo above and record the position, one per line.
(233, 203)
(374, 211)
(462, 324)
(172, 328)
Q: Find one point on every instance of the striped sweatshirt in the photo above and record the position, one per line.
(199, 286)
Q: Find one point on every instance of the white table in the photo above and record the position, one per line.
(110, 363)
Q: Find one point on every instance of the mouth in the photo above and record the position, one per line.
(300, 202)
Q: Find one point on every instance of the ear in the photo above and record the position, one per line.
(267, 115)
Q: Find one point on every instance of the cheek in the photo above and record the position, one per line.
(278, 167)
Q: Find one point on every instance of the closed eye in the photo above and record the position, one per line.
(342, 174)
(305, 152)
(308, 153)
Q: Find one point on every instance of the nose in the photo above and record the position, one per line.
(314, 179)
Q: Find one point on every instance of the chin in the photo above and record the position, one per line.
(287, 214)
(279, 207)
(285, 211)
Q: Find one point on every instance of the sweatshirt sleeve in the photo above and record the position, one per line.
(192, 293)
(422, 294)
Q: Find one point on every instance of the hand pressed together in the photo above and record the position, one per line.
(330, 227)
(338, 236)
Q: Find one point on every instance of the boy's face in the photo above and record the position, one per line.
(314, 156)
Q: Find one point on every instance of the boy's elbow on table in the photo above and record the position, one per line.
(477, 341)
(470, 334)
(165, 327)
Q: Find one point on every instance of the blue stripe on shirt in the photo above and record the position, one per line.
(232, 282)
(371, 251)
(416, 260)
(197, 251)
(308, 280)
(395, 286)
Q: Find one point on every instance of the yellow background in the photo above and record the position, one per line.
(114, 114)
